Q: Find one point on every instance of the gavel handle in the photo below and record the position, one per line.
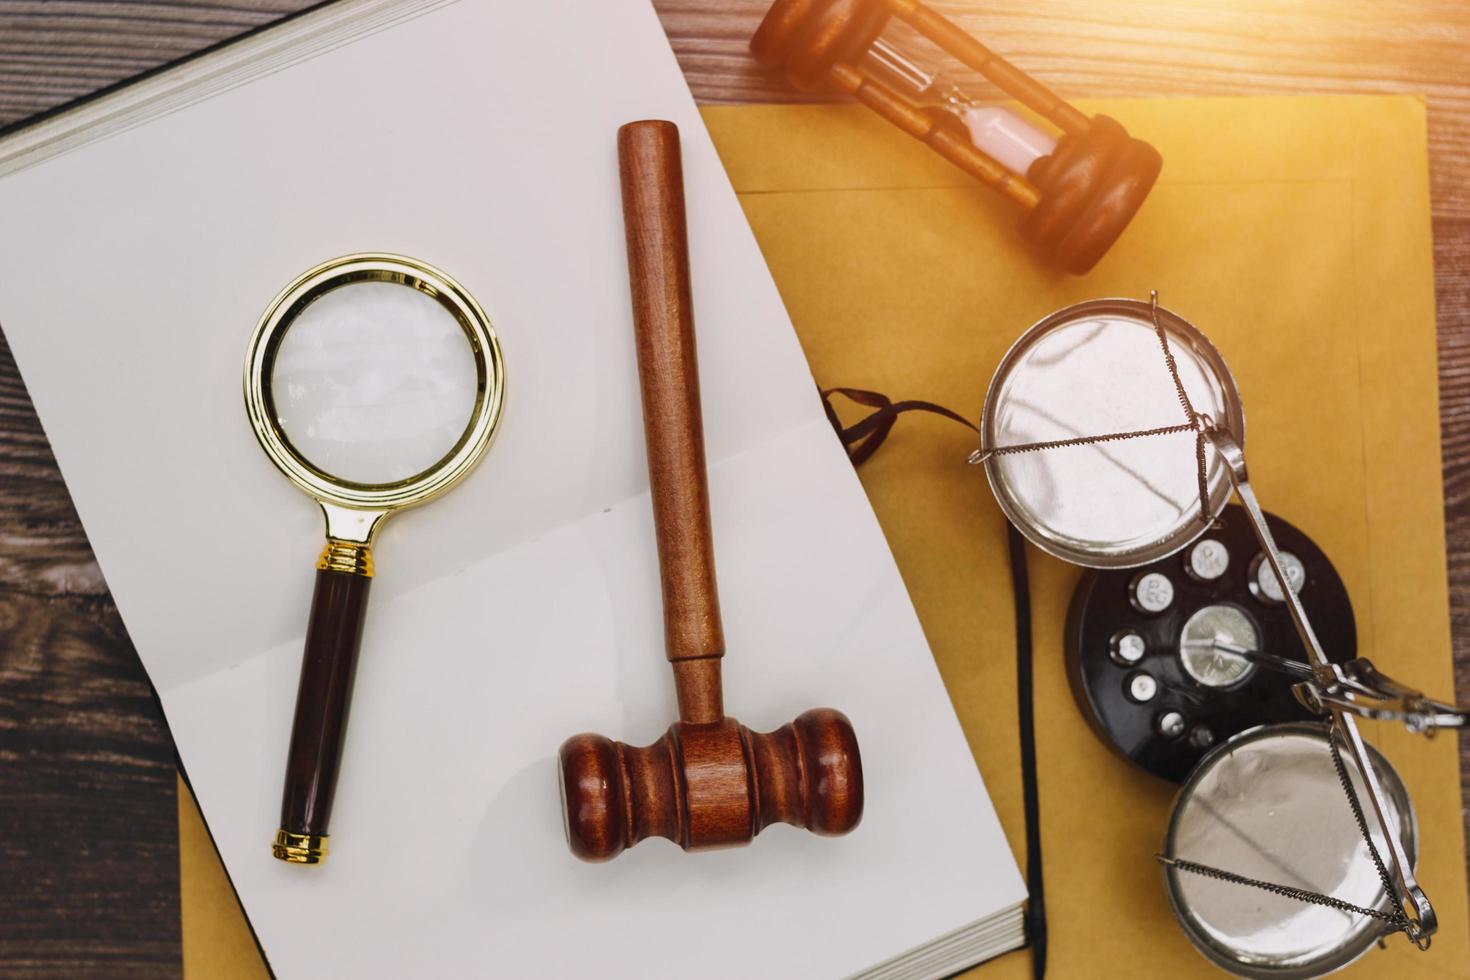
(663, 320)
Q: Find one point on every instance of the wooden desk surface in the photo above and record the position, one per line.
(88, 829)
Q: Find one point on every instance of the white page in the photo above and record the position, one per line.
(523, 607)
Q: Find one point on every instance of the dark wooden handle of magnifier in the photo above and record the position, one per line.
(322, 699)
(663, 321)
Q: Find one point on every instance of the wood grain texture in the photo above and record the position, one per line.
(652, 175)
(89, 865)
(81, 749)
(1151, 48)
(711, 785)
(54, 51)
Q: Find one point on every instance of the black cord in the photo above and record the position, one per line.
(861, 440)
(1025, 712)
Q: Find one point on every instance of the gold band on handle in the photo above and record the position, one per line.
(352, 557)
(300, 848)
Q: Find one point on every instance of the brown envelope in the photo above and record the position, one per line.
(1294, 232)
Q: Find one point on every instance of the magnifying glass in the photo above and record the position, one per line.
(374, 382)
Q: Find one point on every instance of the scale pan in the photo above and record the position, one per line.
(1092, 369)
(1267, 804)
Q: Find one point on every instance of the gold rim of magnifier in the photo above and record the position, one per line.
(375, 267)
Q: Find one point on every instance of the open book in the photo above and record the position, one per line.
(145, 234)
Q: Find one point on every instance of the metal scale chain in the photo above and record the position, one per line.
(1400, 922)
(1395, 918)
(1398, 918)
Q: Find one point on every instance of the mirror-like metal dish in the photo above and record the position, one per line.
(1095, 368)
(1267, 804)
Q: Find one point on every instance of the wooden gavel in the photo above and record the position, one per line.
(1078, 197)
(709, 781)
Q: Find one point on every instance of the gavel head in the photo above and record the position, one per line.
(711, 785)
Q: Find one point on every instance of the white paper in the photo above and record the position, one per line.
(523, 607)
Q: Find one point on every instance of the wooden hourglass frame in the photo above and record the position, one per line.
(1077, 199)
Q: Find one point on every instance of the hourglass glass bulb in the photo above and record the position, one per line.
(1006, 137)
(994, 130)
(901, 66)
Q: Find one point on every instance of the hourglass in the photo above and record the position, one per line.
(1079, 188)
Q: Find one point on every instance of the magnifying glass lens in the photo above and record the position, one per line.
(374, 382)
